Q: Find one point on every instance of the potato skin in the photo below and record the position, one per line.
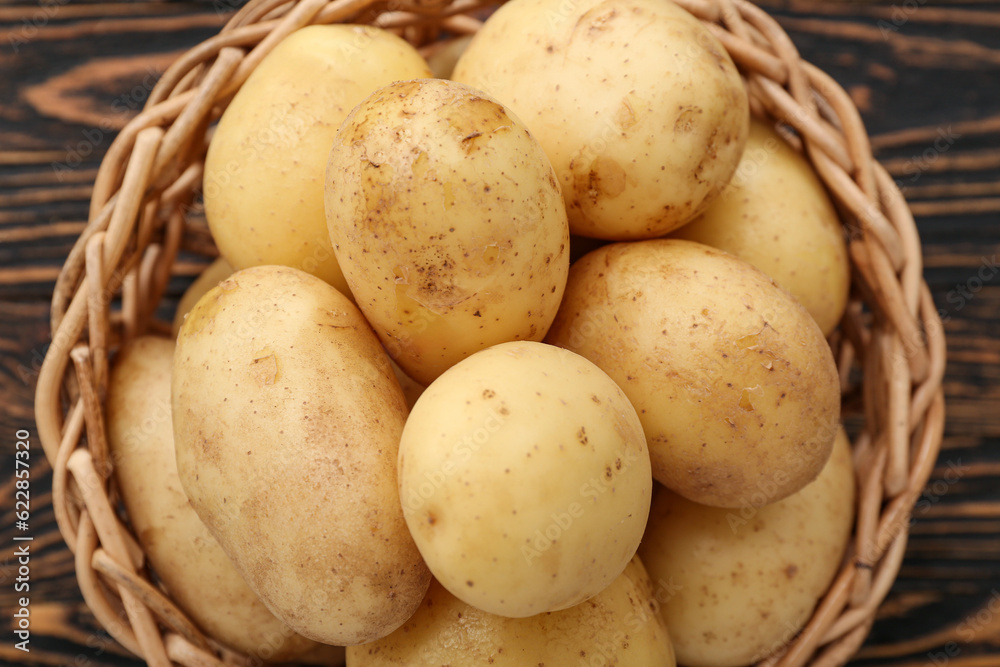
(658, 141)
(187, 560)
(448, 222)
(213, 274)
(264, 170)
(750, 578)
(618, 626)
(776, 215)
(287, 418)
(731, 377)
(525, 479)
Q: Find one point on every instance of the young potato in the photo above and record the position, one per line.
(733, 380)
(263, 182)
(639, 107)
(287, 418)
(213, 274)
(618, 626)
(447, 220)
(188, 562)
(750, 578)
(776, 215)
(525, 479)
(442, 62)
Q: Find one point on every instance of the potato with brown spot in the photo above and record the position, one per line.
(619, 626)
(637, 104)
(776, 215)
(448, 222)
(187, 560)
(263, 182)
(514, 512)
(287, 418)
(730, 375)
(749, 578)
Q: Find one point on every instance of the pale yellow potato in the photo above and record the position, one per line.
(263, 183)
(619, 626)
(447, 220)
(524, 478)
(639, 107)
(731, 377)
(749, 578)
(187, 560)
(442, 61)
(287, 419)
(776, 215)
(213, 274)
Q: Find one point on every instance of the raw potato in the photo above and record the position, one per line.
(638, 106)
(264, 171)
(448, 222)
(213, 274)
(776, 215)
(619, 626)
(732, 378)
(525, 479)
(287, 419)
(750, 577)
(187, 560)
(442, 63)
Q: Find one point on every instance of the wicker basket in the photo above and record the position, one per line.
(889, 348)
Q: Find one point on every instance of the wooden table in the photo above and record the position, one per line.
(925, 74)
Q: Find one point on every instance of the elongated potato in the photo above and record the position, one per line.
(637, 104)
(619, 626)
(749, 578)
(287, 418)
(525, 479)
(776, 215)
(735, 384)
(186, 558)
(266, 161)
(448, 223)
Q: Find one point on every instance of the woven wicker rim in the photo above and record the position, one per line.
(152, 173)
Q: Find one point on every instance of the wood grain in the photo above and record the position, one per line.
(925, 78)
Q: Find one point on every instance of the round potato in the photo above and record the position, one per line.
(618, 626)
(287, 419)
(447, 220)
(188, 562)
(732, 378)
(639, 107)
(263, 183)
(749, 578)
(213, 274)
(776, 215)
(525, 479)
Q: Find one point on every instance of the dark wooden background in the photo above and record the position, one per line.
(925, 74)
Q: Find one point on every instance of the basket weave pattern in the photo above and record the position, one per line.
(891, 337)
